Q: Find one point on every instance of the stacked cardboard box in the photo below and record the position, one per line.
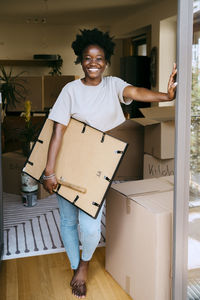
(32, 92)
(139, 237)
(52, 86)
(12, 165)
(155, 167)
(12, 128)
(132, 163)
(42, 91)
(159, 139)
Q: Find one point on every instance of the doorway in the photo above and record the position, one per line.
(135, 67)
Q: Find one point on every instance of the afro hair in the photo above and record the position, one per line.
(93, 37)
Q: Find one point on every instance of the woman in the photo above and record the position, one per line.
(95, 100)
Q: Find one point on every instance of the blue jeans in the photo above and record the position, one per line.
(90, 231)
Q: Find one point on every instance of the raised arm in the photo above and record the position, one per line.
(145, 95)
(54, 146)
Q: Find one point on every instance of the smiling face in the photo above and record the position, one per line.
(93, 64)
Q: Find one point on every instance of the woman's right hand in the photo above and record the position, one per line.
(50, 184)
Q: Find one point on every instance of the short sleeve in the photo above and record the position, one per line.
(120, 86)
(61, 110)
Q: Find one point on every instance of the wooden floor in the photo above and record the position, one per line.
(47, 277)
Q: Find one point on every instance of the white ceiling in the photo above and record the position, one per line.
(69, 12)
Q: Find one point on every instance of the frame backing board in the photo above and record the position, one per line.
(87, 158)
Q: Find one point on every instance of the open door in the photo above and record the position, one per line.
(182, 150)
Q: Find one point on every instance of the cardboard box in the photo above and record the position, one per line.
(131, 165)
(159, 136)
(42, 91)
(52, 86)
(139, 237)
(12, 164)
(33, 86)
(155, 167)
(13, 126)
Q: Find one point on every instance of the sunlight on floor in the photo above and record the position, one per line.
(194, 238)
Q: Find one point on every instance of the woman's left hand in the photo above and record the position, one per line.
(171, 88)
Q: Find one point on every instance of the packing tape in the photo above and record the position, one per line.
(150, 193)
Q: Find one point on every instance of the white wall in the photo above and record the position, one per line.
(23, 41)
(167, 53)
(151, 15)
(18, 41)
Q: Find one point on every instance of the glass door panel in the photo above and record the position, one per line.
(194, 199)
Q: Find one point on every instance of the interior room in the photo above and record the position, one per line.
(137, 226)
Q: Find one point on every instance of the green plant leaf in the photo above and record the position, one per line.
(12, 88)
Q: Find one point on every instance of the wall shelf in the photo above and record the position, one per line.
(26, 62)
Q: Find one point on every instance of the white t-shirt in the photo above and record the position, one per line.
(98, 106)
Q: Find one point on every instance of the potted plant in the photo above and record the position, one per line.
(12, 89)
(56, 66)
(28, 135)
(30, 131)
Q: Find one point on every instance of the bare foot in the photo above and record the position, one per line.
(78, 282)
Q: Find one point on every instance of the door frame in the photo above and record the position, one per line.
(182, 150)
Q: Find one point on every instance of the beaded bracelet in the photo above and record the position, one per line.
(48, 176)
